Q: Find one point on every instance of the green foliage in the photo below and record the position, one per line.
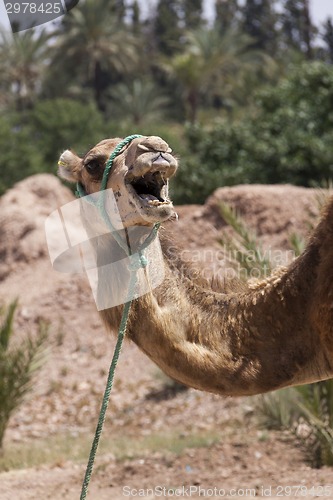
(210, 63)
(135, 17)
(203, 70)
(277, 410)
(166, 29)
(57, 124)
(94, 45)
(316, 407)
(31, 142)
(287, 140)
(328, 39)
(243, 246)
(192, 13)
(138, 102)
(260, 19)
(19, 361)
(23, 62)
(194, 183)
(306, 411)
(296, 126)
(297, 28)
(119, 9)
(20, 156)
(226, 15)
(7, 325)
(297, 243)
(212, 161)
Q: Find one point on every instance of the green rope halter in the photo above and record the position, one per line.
(137, 260)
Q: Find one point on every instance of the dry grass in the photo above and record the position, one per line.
(63, 447)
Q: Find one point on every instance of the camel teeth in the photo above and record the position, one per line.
(156, 203)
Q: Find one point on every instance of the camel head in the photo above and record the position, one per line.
(139, 177)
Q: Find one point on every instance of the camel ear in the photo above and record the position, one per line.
(69, 166)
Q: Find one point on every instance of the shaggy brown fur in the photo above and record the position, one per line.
(235, 341)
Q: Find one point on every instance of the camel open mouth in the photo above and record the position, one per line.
(152, 189)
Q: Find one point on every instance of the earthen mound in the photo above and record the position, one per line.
(23, 210)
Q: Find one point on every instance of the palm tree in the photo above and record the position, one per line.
(93, 41)
(23, 61)
(208, 62)
(138, 101)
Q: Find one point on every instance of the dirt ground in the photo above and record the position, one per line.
(234, 457)
(231, 469)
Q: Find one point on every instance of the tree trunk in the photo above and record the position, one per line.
(192, 100)
(98, 86)
(308, 30)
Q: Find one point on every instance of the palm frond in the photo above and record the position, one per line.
(243, 248)
(19, 361)
(7, 326)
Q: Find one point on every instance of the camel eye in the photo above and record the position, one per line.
(92, 166)
(95, 167)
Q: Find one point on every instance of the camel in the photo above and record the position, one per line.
(234, 339)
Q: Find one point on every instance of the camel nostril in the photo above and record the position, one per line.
(161, 161)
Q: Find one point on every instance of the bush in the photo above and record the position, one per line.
(288, 139)
(31, 142)
(306, 411)
(212, 161)
(20, 156)
(316, 406)
(58, 124)
(293, 142)
(18, 363)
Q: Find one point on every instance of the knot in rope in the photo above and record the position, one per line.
(137, 261)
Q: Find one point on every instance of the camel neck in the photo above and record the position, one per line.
(245, 341)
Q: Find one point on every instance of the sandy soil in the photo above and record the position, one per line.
(240, 460)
